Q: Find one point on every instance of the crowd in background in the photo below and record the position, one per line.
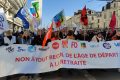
(37, 37)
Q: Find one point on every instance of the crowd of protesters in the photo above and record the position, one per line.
(37, 37)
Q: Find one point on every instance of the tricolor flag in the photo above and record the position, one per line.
(113, 22)
(84, 18)
(22, 17)
(47, 36)
(59, 19)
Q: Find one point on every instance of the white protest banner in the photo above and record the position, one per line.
(16, 59)
(3, 22)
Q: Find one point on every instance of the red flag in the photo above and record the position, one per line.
(84, 18)
(48, 35)
(113, 22)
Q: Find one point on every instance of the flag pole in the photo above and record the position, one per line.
(13, 25)
(112, 23)
(106, 34)
(84, 33)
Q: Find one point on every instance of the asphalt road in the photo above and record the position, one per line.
(71, 74)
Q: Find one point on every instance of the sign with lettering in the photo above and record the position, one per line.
(15, 59)
(3, 22)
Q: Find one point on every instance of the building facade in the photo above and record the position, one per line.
(11, 7)
(98, 19)
(93, 19)
(107, 12)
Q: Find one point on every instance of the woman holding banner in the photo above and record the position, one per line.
(25, 39)
(70, 35)
(98, 37)
(9, 38)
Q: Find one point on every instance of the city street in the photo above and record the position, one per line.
(75, 75)
(60, 40)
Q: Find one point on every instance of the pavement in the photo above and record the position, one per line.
(112, 74)
(71, 74)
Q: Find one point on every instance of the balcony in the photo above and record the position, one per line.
(12, 5)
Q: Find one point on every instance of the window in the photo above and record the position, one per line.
(98, 20)
(10, 14)
(114, 5)
(98, 26)
(92, 18)
(89, 12)
(110, 14)
(104, 24)
(102, 8)
(115, 12)
(104, 16)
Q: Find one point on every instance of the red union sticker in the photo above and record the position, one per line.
(55, 45)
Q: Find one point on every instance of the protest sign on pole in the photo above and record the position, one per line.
(3, 21)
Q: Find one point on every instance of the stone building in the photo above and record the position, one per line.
(11, 7)
(98, 19)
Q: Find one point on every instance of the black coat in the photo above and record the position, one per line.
(37, 40)
(1, 41)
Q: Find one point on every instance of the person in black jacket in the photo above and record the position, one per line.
(38, 38)
(9, 38)
(1, 40)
